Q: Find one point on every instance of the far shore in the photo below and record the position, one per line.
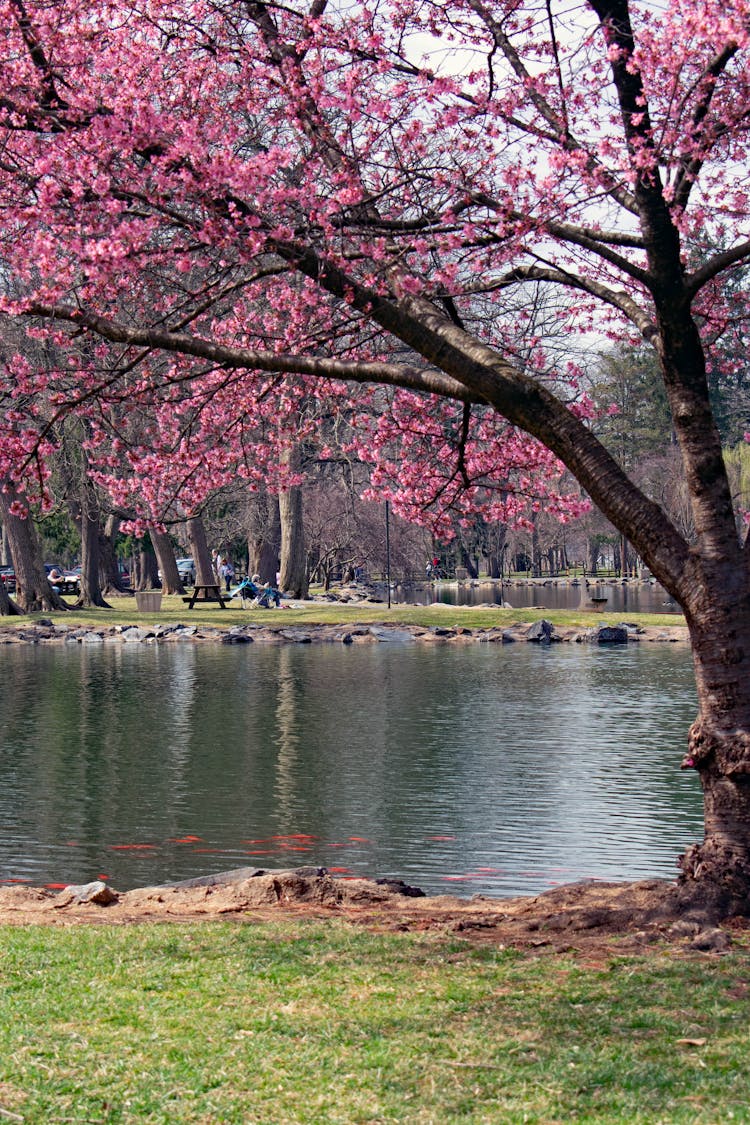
(321, 619)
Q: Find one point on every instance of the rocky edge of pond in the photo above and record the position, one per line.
(594, 918)
(542, 632)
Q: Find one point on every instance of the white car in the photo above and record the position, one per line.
(186, 571)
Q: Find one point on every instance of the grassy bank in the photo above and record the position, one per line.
(316, 1022)
(174, 610)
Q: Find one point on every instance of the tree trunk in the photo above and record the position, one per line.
(147, 577)
(196, 533)
(536, 562)
(33, 591)
(8, 607)
(264, 536)
(467, 561)
(719, 741)
(170, 576)
(593, 557)
(90, 589)
(293, 568)
(617, 562)
(109, 570)
(495, 553)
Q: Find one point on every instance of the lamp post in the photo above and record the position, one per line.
(388, 549)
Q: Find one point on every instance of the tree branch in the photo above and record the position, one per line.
(691, 169)
(391, 374)
(617, 299)
(716, 265)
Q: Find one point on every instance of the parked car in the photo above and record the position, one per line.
(8, 578)
(186, 571)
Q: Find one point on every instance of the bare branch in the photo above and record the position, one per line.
(616, 298)
(716, 265)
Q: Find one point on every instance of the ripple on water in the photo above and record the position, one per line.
(490, 769)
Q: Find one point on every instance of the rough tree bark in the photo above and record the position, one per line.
(109, 571)
(90, 593)
(8, 607)
(146, 576)
(170, 576)
(33, 591)
(496, 550)
(264, 536)
(196, 533)
(293, 569)
(717, 608)
(466, 560)
(592, 556)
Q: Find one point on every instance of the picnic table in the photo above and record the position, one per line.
(208, 593)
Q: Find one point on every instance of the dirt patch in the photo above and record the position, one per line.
(594, 919)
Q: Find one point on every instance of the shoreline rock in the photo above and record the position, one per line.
(542, 631)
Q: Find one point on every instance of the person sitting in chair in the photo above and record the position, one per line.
(267, 595)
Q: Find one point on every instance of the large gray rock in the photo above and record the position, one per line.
(610, 635)
(240, 874)
(96, 892)
(540, 632)
(135, 634)
(393, 636)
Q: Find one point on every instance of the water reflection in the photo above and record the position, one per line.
(614, 596)
(500, 769)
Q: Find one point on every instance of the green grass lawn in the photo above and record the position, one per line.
(174, 610)
(318, 1022)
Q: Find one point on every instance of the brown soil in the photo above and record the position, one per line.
(594, 919)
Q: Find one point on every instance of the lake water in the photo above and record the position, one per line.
(492, 769)
(616, 596)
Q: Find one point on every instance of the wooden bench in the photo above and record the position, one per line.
(210, 593)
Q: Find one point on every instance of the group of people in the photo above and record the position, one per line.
(264, 594)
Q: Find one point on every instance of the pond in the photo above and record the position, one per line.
(614, 596)
(486, 769)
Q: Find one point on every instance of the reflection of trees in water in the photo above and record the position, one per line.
(510, 751)
(286, 738)
(640, 598)
(95, 745)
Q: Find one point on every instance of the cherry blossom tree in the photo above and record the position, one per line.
(219, 212)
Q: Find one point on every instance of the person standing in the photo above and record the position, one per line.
(217, 561)
(226, 573)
